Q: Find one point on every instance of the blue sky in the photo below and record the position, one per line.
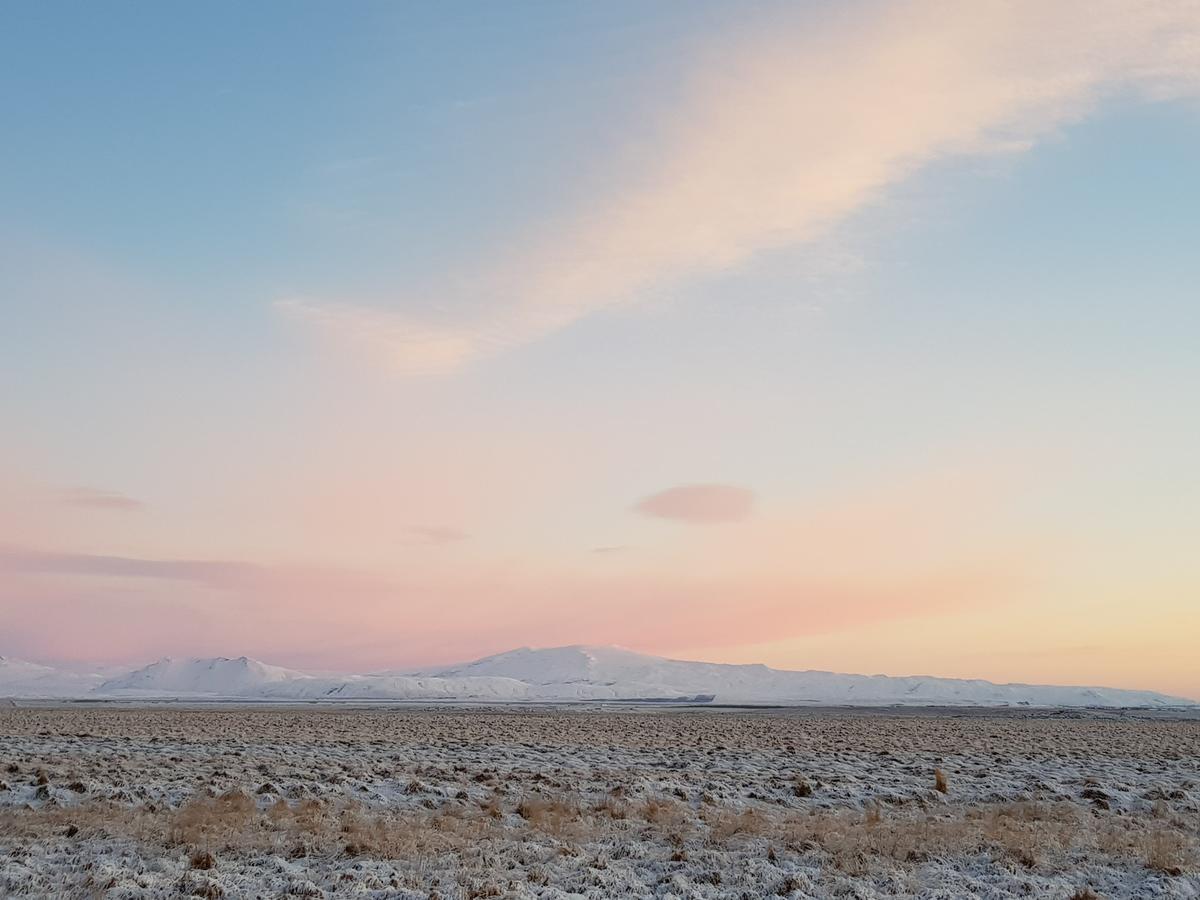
(427, 299)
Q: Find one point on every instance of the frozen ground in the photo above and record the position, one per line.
(105, 801)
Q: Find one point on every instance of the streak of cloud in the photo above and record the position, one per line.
(783, 135)
(91, 498)
(701, 504)
(435, 535)
(214, 573)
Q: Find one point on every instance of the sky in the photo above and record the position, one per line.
(860, 337)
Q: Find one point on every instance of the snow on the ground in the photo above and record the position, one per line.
(579, 673)
(102, 801)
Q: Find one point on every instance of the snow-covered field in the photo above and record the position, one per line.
(99, 800)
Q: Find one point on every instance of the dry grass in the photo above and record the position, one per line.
(612, 805)
(665, 812)
(208, 820)
(1167, 850)
(551, 814)
(492, 807)
(725, 824)
(1029, 834)
(939, 782)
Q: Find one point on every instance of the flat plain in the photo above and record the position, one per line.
(100, 800)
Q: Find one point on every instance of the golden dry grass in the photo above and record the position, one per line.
(1028, 833)
(871, 841)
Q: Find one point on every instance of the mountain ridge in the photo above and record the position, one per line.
(570, 673)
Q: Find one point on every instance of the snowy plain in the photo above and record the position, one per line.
(151, 800)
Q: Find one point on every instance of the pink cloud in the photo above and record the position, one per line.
(702, 504)
(93, 499)
(436, 534)
(210, 572)
(781, 133)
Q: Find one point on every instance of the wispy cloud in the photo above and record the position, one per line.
(387, 338)
(703, 504)
(91, 498)
(214, 573)
(784, 134)
(432, 534)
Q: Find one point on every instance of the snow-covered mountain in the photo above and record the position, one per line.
(248, 678)
(228, 677)
(599, 673)
(19, 678)
(575, 673)
(404, 687)
(595, 672)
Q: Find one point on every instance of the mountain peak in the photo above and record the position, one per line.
(202, 675)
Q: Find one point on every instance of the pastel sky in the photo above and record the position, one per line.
(854, 336)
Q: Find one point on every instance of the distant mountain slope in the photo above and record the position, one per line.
(403, 687)
(248, 678)
(19, 678)
(573, 673)
(582, 670)
(219, 675)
